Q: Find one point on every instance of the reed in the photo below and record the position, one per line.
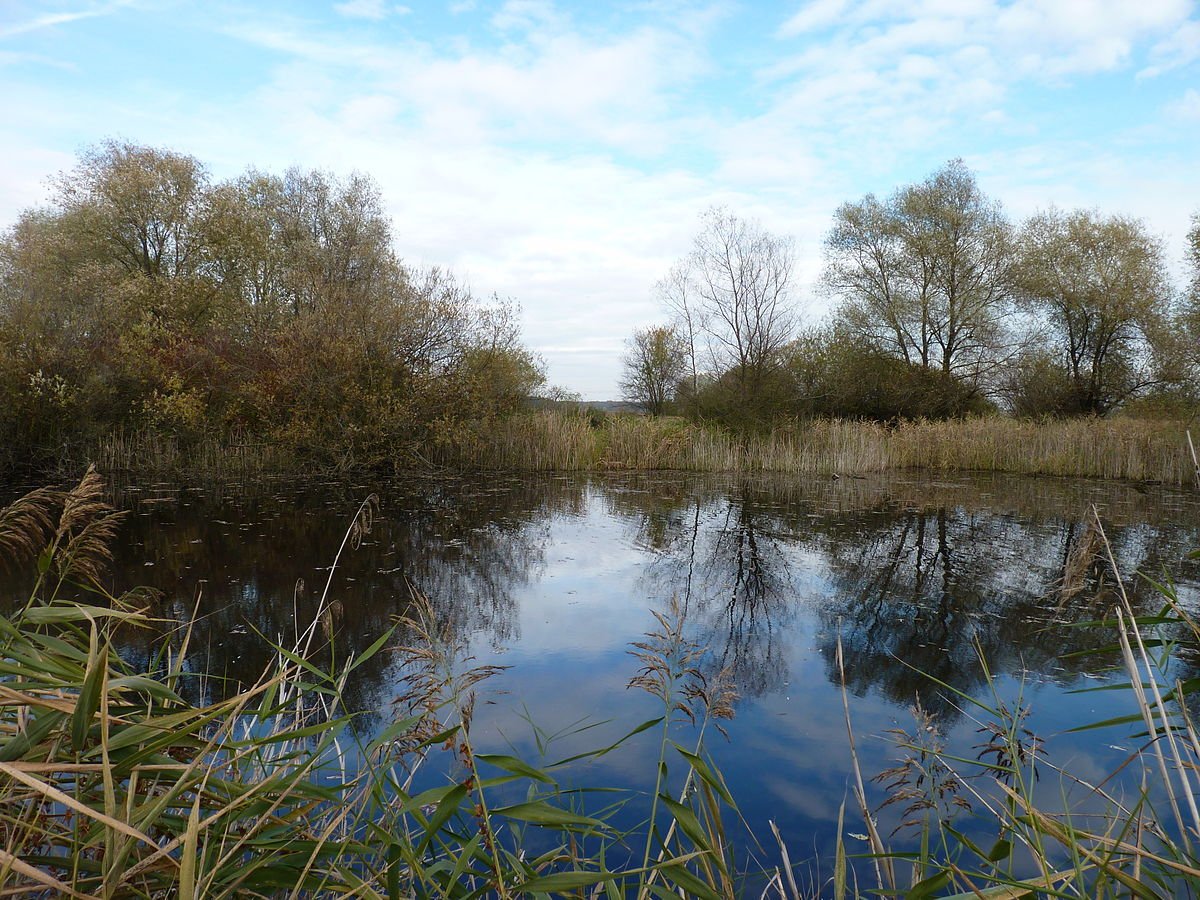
(1091, 843)
(553, 441)
(113, 783)
(147, 451)
(1127, 449)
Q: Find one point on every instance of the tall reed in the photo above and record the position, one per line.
(1129, 449)
(113, 783)
(1091, 843)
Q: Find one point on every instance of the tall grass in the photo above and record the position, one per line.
(1128, 449)
(147, 451)
(1054, 832)
(114, 783)
(550, 441)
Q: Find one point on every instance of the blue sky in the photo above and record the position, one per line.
(560, 153)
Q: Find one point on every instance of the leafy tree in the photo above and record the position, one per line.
(146, 295)
(1100, 284)
(141, 203)
(1191, 307)
(833, 373)
(926, 276)
(655, 361)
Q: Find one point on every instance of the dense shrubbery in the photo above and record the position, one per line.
(147, 295)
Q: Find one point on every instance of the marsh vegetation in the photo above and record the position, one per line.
(154, 318)
(356, 733)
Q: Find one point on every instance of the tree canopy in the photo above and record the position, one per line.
(146, 294)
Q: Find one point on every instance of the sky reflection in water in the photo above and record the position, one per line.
(554, 576)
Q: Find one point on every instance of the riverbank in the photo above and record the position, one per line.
(556, 441)
(1126, 449)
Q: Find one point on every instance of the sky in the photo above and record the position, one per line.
(560, 153)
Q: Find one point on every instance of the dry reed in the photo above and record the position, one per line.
(1125, 449)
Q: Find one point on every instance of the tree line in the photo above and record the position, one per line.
(146, 294)
(942, 307)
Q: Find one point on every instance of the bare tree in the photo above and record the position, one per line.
(676, 292)
(655, 362)
(733, 294)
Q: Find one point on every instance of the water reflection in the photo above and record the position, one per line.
(919, 578)
(555, 576)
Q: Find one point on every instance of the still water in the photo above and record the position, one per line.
(553, 577)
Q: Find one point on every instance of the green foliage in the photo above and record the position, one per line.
(1100, 284)
(654, 364)
(1037, 384)
(926, 277)
(834, 374)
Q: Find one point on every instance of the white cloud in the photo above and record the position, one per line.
(1175, 51)
(375, 10)
(1186, 107)
(814, 15)
(49, 20)
(527, 15)
(564, 165)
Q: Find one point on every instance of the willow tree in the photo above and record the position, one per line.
(654, 364)
(926, 275)
(1100, 283)
(145, 295)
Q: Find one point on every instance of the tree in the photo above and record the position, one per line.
(145, 295)
(927, 275)
(655, 361)
(1191, 306)
(143, 203)
(1101, 285)
(734, 293)
(675, 290)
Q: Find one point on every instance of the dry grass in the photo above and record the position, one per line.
(149, 452)
(1127, 449)
(554, 441)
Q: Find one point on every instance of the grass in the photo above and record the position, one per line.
(1087, 841)
(549, 441)
(114, 783)
(148, 451)
(1129, 449)
(122, 782)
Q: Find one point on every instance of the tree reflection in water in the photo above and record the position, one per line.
(919, 579)
(251, 562)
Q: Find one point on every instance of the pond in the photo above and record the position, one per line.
(555, 577)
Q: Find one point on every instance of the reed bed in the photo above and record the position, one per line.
(1090, 838)
(114, 782)
(555, 441)
(151, 452)
(1126, 449)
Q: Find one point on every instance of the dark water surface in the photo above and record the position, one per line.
(555, 576)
